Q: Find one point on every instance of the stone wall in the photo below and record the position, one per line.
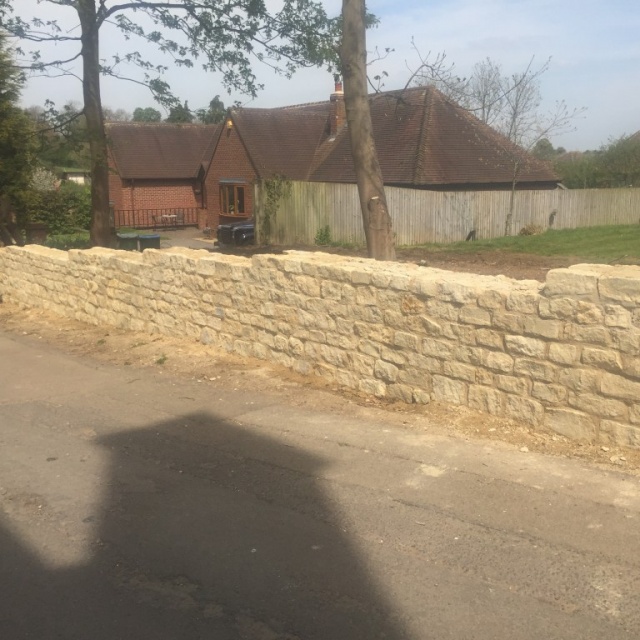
(562, 355)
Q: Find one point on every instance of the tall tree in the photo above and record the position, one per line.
(228, 35)
(353, 63)
(214, 113)
(147, 114)
(16, 148)
(180, 114)
(510, 103)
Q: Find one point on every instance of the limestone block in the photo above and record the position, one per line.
(523, 409)
(521, 345)
(485, 377)
(615, 386)
(373, 387)
(370, 314)
(490, 338)
(492, 299)
(622, 434)
(419, 378)
(459, 371)
(437, 348)
(598, 406)
(523, 302)
(601, 358)
(617, 316)
(511, 322)
(385, 371)
(420, 396)
(346, 379)
(442, 310)
(536, 369)
(282, 358)
(395, 356)
(302, 366)
(307, 285)
(551, 329)
(588, 313)
(380, 279)
(621, 285)
(451, 391)
(331, 290)
(431, 327)
(573, 424)
(424, 363)
(465, 334)
(634, 413)
(464, 289)
(406, 341)
(359, 276)
(400, 392)
(362, 364)
(579, 280)
(592, 334)
(368, 347)
(470, 355)
(563, 353)
(475, 316)
(487, 400)
(549, 393)
(296, 347)
(334, 356)
(626, 340)
(498, 361)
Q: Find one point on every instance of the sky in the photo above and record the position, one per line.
(593, 45)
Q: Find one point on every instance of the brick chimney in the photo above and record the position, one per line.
(337, 111)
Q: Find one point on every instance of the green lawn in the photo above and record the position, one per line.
(594, 243)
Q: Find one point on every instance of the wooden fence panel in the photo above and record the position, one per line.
(433, 216)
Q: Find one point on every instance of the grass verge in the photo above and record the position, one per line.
(606, 243)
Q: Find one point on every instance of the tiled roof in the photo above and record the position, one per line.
(423, 139)
(160, 151)
(282, 141)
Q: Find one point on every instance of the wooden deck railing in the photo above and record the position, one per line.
(175, 218)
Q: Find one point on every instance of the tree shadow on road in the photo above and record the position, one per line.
(207, 530)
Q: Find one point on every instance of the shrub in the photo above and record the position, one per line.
(65, 210)
(323, 235)
(66, 241)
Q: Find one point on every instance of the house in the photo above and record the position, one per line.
(157, 172)
(424, 141)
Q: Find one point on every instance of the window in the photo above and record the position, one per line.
(232, 199)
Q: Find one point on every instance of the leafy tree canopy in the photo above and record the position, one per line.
(223, 37)
(148, 114)
(214, 114)
(16, 134)
(180, 113)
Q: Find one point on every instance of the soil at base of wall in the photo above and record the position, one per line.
(208, 365)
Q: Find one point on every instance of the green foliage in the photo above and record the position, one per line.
(65, 210)
(214, 114)
(148, 114)
(615, 165)
(579, 170)
(16, 139)
(603, 243)
(323, 236)
(66, 241)
(275, 189)
(62, 139)
(180, 114)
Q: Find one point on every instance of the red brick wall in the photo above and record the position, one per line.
(230, 161)
(159, 194)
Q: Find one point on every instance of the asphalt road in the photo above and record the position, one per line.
(139, 506)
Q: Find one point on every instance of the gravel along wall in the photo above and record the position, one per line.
(562, 355)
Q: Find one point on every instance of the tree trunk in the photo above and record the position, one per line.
(100, 224)
(353, 57)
